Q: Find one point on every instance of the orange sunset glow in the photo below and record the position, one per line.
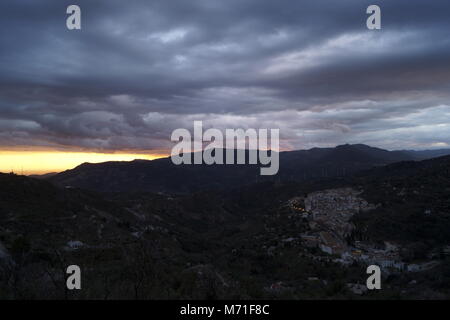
(41, 162)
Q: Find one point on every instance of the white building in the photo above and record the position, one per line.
(75, 245)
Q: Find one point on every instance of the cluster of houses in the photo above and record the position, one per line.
(328, 214)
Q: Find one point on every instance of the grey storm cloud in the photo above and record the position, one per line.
(139, 69)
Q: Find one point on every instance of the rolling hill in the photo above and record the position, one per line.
(162, 175)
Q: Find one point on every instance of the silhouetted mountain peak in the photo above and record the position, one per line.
(161, 175)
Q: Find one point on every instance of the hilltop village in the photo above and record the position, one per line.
(328, 215)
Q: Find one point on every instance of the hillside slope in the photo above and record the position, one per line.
(162, 175)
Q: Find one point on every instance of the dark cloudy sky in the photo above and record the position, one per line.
(139, 69)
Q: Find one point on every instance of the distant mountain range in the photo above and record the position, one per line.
(162, 175)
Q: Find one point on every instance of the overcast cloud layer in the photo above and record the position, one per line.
(139, 69)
